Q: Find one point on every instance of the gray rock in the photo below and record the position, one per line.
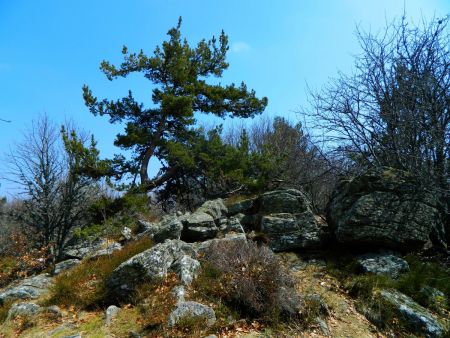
(30, 288)
(78, 335)
(283, 201)
(84, 249)
(288, 232)
(199, 226)
(143, 226)
(126, 233)
(179, 292)
(151, 264)
(241, 207)
(186, 268)
(232, 225)
(107, 250)
(435, 299)
(54, 310)
(192, 309)
(111, 313)
(65, 265)
(215, 208)
(385, 209)
(383, 264)
(170, 227)
(201, 247)
(416, 316)
(23, 309)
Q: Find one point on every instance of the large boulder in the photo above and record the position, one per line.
(29, 288)
(169, 227)
(291, 231)
(215, 208)
(283, 201)
(199, 226)
(23, 309)
(286, 218)
(385, 208)
(91, 249)
(153, 264)
(415, 316)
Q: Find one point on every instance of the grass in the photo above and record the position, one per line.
(84, 286)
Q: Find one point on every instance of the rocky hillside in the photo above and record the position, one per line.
(265, 266)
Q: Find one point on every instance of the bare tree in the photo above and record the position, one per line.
(394, 110)
(45, 167)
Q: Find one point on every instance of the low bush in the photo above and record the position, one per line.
(85, 285)
(248, 278)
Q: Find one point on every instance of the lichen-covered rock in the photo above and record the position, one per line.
(232, 225)
(169, 227)
(151, 264)
(288, 232)
(414, 315)
(241, 207)
(193, 310)
(23, 309)
(83, 249)
(111, 313)
(386, 209)
(106, 250)
(187, 268)
(201, 247)
(30, 288)
(283, 201)
(215, 208)
(126, 234)
(199, 226)
(383, 264)
(65, 265)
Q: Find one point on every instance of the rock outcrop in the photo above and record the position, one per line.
(192, 309)
(29, 288)
(154, 263)
(385, 209)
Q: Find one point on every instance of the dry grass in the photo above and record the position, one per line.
(84, 286)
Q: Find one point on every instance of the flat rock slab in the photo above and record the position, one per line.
(383, 264)
(30, 288)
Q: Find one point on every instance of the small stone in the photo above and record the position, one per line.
(65, 265)
(111, 313)
(192, 309)
(23, 309)
(127, 233)
(383, 264)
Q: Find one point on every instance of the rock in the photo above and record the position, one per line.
(179, 292)
(283, 201)
(186, 268)
(241, 207)
(288, 232)
(83, 249)
(110, 248)
(54, 310)
(232, 225)
(65, 265)
(111, 313)
(170, 227)
(151, 264)
(415, 316)
(249, 222)
(383, 264)
(78, 335)
(215, 208)
(126, 233)
(385, 209)
(23, 309)
(143, 226)
(199, 226)
(201, 247)
(30, 288)
(192, 309)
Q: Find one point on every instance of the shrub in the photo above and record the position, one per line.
(249, 278)
(85, 285)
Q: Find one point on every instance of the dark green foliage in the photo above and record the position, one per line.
(164, 131)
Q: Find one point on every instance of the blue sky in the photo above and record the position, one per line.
(50, 48)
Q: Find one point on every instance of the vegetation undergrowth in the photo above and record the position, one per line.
(84, 286)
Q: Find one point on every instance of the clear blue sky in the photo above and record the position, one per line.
(50, 48)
